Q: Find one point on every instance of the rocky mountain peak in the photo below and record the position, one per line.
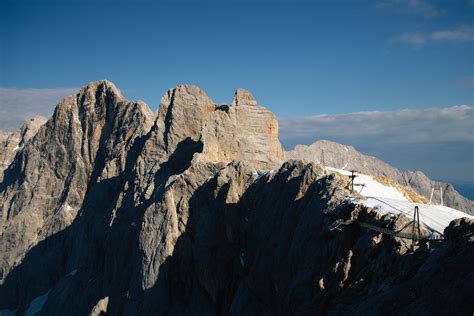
(30, 126)
(4, 135)
(101, 89)
(87, 140)
(11, 143)
(95, 135)
(227, 133)
(243, 97)
(111, 208)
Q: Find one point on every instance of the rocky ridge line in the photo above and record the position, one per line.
(10, 143)
(348, 158)
(190, 210)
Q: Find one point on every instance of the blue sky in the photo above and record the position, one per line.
(298, 58)
(301, 59)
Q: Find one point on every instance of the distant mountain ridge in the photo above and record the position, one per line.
(466, 189)
(348, 158)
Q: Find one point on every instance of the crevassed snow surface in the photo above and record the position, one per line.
(388, 200)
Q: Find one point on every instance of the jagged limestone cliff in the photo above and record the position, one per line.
(192, 211)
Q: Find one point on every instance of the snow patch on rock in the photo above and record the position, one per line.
(388, 200)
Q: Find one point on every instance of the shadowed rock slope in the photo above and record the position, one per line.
(347, 157)
(111, 208)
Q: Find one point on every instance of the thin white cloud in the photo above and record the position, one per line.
(416, 39)
(418, 125)
(437, 141)
(416, 7)
(17, 105)
(460, 34)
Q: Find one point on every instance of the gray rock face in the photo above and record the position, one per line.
(190, 211)
(10, 143)
(348, 158)
(3, 135)
(243, 97)
(244, 131)
(86, 141)
(94, 136)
